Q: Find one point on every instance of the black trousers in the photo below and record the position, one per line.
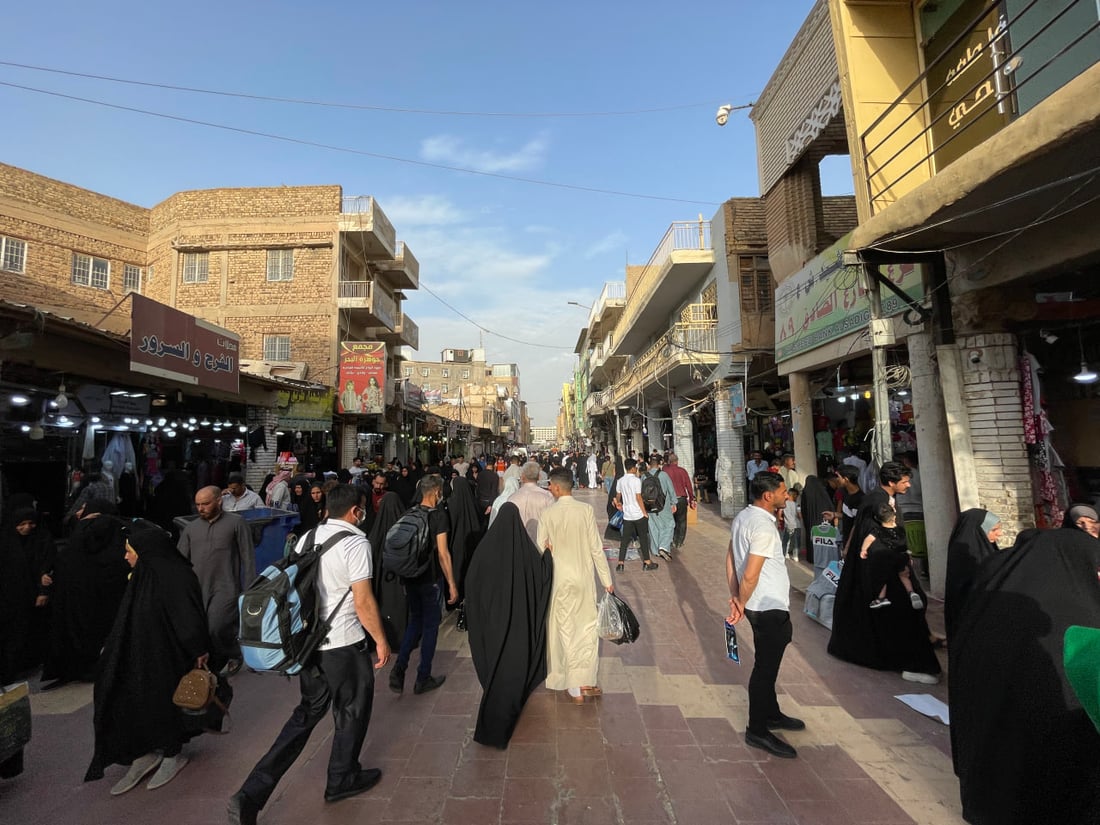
(344, 678)
(680, 531)
(771, 633)
(639, 528)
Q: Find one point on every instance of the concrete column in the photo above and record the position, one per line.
(620, 441)
(654, 426)
(389, 446)
(348, 442)
(936, 470)
(802, 424)
(683, 441)
(729, 469)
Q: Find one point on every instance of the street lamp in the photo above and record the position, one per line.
(575, 304)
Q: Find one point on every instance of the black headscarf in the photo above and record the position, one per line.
(89, 582)
(465, 529)
(507, 598)
(1024, 748)
(405, 487)
(311, 512)
(968, 547)
(388, 589)
(895, 637)
(488, 488)
(159, 632)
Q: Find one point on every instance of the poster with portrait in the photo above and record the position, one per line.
(362, 389)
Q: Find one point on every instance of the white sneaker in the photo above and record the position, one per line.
(167, 771)
(141, 767)
(923, 678)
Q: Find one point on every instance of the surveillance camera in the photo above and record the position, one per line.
(975, 356)
(723, 115)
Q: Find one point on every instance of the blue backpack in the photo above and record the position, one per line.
(279, 628)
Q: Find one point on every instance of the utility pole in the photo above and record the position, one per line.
(882, 335)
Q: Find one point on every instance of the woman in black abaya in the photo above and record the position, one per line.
(1024, 749)
(507, 597)
(388, 589)
(973, 540)
(89, 582)
(465, 527)
(158, 636)
(405, 487)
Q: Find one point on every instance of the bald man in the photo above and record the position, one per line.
(219, 547)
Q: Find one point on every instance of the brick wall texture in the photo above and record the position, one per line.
(994, 406)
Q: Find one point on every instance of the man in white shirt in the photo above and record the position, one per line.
(461, 465)
(341, 673)
(530, 498)
(755, 465)
(237, 497)
(790, 475)
(760, 590)
(628, 498)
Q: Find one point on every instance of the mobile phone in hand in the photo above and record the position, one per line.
(731, 644)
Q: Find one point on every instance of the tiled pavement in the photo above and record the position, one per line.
(664, 744)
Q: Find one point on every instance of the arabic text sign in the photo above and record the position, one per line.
(172, 344)
(737, 405)
(362, 389)
(826, 300)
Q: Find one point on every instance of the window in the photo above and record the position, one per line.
(280, 264)
(13, 255)
(757, 286)
(89, 271)
(425, 372)
(445, 388)
(408, 372)
(465, 375)
(446, 372)
(276, 347)
(196, 267)
(131, 279)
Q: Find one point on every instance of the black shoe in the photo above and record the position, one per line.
(650, 565)
(242, 810)
(363, 781)
(784, 722)
(620, 567)
(771, 743)
(397, 679)
(431, 683)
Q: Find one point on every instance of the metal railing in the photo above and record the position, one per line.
(367, 205)
(952, 101)
(686, 342)
(355, 289)
(612, 291)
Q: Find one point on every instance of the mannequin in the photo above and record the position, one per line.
(108, 473)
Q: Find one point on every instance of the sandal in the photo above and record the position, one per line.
(593, 690)
(578, 700)
(619, 567)
(650, 565)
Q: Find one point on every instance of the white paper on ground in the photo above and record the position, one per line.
(928, 705)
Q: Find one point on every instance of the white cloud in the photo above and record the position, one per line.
(454, 151)
(608, 243)
(422, 210)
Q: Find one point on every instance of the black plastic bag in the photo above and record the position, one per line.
(631, 628)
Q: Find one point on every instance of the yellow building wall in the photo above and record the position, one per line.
(878, 57)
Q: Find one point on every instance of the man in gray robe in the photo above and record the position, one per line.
(219, 547)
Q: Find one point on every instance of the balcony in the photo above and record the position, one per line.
(983, 74)
(367, 230)
(404, 334)
(680, 358)
(607, 309)
(404, 271)
(362, 298)
(684, 255)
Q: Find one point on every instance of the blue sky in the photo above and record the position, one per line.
(506, 253)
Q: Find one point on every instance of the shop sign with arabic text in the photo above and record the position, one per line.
(172, 344)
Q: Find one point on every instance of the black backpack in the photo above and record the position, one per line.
(406, 550)
(653, 495)
(279, 625)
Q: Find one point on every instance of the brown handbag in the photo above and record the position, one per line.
(195, 692)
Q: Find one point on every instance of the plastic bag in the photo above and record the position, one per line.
(631, 628)
(616, 520)
(609, 622)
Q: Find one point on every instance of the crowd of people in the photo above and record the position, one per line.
(132, 606)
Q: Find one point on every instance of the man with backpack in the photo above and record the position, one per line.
(340, 673)
(416, 548)
(660, 502)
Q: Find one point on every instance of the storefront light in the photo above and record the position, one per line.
(242, 428)
(903, 392)
(192, 421)
(26, 428)
(867, 394)
(161, 422)
(95, 419)
(19, 401)
(1086, 375)
(205, 422)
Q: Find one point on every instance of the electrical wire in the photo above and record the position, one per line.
(359, 106)
(351, 151)
(486, 330)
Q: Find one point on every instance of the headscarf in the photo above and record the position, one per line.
(510, 486)
(465, 528)
(1023, 746)
(967, 548)
(488, 488)
(282, 475)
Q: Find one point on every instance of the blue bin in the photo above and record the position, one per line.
(270, 527)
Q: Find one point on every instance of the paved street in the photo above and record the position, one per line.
(664, 745)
